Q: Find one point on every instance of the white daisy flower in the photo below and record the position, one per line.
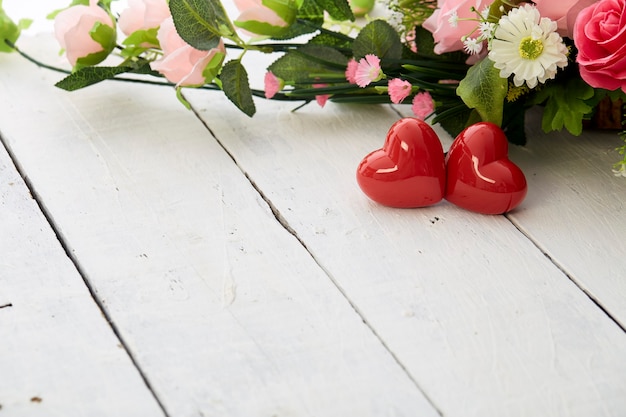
(527, 46)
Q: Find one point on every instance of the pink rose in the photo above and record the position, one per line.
(143, 15)
(600, 36)
(181, 63)
(447, 35)
(563, 12)
(72, 29)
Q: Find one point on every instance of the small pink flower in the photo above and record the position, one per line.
(181, 63)
(72, 29)
(143, 15)
(273, 84)
(423, 105)
(353, 65)
(399, 90)
(368, 70)
(322, 98)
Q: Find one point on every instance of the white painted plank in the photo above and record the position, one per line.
(226, 313)
(58, 354)
(482, 320)
(576, 209)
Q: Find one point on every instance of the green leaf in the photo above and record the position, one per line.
(9, 30)
(484, 90)
(105, 35)
(337, 9)
(235, 84)
(327, 39)
(306, 64)
(261, 28)
(142, 36)
(425, 44)
(213, 67)
(379, 38)
(285, 9)
(201, 23)
(565, 105)
(308, 19)
(87, 76)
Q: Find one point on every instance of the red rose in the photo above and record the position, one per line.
(600, 36)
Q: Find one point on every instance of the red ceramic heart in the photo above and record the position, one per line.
(409, 170)
(480, 176)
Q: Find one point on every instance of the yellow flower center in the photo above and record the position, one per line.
(530, 48)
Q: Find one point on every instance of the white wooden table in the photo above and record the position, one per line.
(156, 261)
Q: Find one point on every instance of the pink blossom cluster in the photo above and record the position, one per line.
(368, 70)
(363, 73)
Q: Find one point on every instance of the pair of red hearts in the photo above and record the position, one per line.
(411, 169)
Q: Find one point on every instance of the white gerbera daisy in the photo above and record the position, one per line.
(527, 46)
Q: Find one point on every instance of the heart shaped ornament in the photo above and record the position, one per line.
(409, 170)
(481, 177)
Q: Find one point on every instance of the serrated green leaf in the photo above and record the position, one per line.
(379, 38)
(326, 39)
(337, 9)
(308, 63)
(565, 105)
(235, 84)
(308, 19)
(87, 76)
(484, 90)
(201, 23)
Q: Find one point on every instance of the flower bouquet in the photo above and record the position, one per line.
(458, 62)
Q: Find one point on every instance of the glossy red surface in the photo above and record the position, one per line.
(480, 176)
(409, 170)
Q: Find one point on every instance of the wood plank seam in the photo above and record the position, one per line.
(544, 251)
(285, 224)
(566, 273)
(81, 273)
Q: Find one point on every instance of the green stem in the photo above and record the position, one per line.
(211, 86)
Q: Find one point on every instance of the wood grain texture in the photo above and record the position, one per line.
(576, 209)
(224, 310)
(58, 355)
(481, 318)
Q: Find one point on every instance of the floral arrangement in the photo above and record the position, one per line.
(457, 61)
